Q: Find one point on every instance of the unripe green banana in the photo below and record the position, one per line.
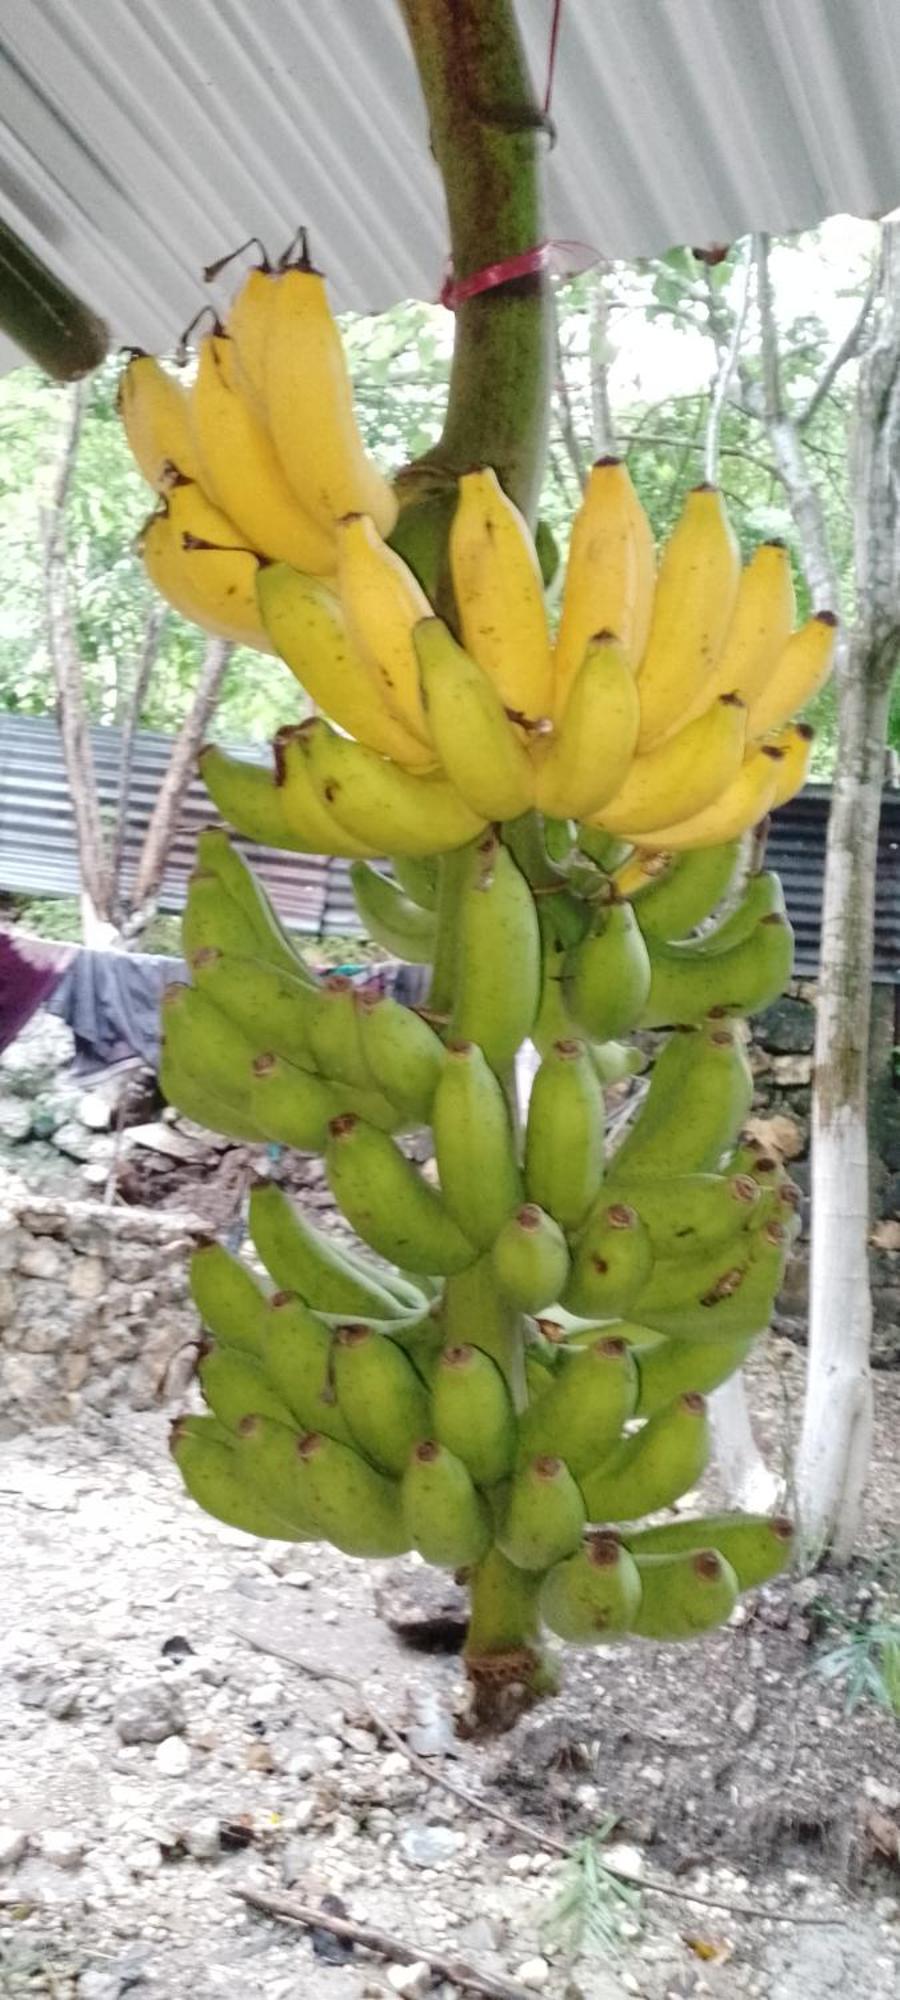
(474, 1312)
(682, 1595)
(203, 1045)
(480, 751)
(544, 1515)
(317, 1480)
(700, 1094)
(472, 1414)
(611, 1262)
(235, 1386)
(653, 1467)
(757, 1546)
(253, 799)
(230, 1301)
(593, 1394)
(211, 1473)
(762, 897)
(446, 1518)
(686, 1213)
(474, 1144)
(270, 1007)
(739, 1301)
(607, 975)
(383, 1399)
(593, 1594)
(673, 903)
(553, 1022)
(302, 1260)
(388, 1203)
(391, 918)
(498, 956)
(217, 854)
(334, 1036)
(613, 1061)
(298, 1360)
(418, 876)
(530, 1259)
(668, 1368)
(564, 1135)
(748, 976)
(686, 1277)
(291, 1106)
(195, 1101)
(212, 921)
(403, 1055)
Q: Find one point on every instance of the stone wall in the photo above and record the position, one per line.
(94, 1308)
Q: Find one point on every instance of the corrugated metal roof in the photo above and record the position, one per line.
(140, 141)
(312, 892)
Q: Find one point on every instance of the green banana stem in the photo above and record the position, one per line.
(45, 319)
(487, 136)
(507, 1665)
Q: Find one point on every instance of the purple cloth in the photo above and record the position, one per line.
(30, 972)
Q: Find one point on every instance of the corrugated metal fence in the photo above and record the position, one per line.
(312, 893)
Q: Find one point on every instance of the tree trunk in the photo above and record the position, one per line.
(130, 721)
(164, 817)
(742, 1468)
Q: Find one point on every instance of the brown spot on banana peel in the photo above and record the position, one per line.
(426, 1451)
(602, 1549)
(342, 1126)
(707, 1565)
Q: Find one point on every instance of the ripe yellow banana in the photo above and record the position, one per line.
(309, 402)
(304, 804)
(390, 810)
(610, 574)
(680, 777)
(801, 670)
(589, 754)
(761, 625)
(796, 746)
(241, 469)
(500, 596)
(247, 324)
(213, 583)
(308, 630)
(382, 604)
(692, 608)
(155, 414)
(742, 804)
(480, 751)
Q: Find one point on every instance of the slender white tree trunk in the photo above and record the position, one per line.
(743, 1471)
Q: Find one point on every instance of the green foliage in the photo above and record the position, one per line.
(862, 1650)
(592, 1903)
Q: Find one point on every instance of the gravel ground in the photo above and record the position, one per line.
(154, 1760)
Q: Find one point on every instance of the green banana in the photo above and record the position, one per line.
(390, 917)
(682, 1595)
(206, 1047)
(474, 1312)
(757, 1546)
(230, 1301)
(553, 1022)
(691, 888)
(217, 853)
(544, 1515)
(667, 1368)
(692, 1273)
(564, 1135)
(204, 1106)
(446, 1518)
(302, 1260)
(213, 921)
(613, 1061)
(607, 977)
(298, 1360)
(498, 956)
(688, 1212)
(763, 897)
(403, 1055)
(739, 1301)
(291, 1106)
(382, 1398)
(269, 1006)
(236, 1386)
(593, 1594)
(653, 1467)
(611, 1262)
(592, 1395)
(334, 1036)
(388, 1203)
(252, 800)
(530, 1259)
(418, 876)
(212, 1476)
(701, 1090)
(474, 1145)
(742, 979)
(345, 1500)
(472, 1414)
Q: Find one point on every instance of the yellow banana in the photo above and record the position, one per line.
(155, 414)
(382, 604)
(247, 324)
(241, 469)
(479, 749)
(692, 608)
(796, 745)
(391, 810)
(761, 625)
(680, 777)
(306, 625)
(309, 403)
(200, 563)
(742, 804)
(500, 596)
(588, 757)
(304, 805)
(644, 866)
(801, 670)
(610, 574)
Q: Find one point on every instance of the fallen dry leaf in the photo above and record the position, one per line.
(886, 1235)
(713, 1951)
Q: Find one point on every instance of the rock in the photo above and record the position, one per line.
(63, 1846)
(329, 1751)
(427, 1611)
(745, 1715)
(202, 1839)
(146, 1858)
(430, 1846)
(15, 1119)
(533, 1973)
(429, 1731)
(63, 1701)
(779, 1134)
(40, 1257)
(87, 1278)
(72, 1139)
(172, 1757)
(886, 1235)
(792, 1071)
(482, 1934)
(148, 1713)
(788, 1027)
(622, 1859)
(411, 1980)
(13, 1843)
(99, 1986)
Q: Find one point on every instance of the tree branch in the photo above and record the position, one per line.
(567, 428)
(603, 426)
(848, 348)
(727, 361)
(164, 817)
(146, 662)
(442, 1964)
(772, 393)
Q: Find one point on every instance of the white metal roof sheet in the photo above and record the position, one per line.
(140, 139)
